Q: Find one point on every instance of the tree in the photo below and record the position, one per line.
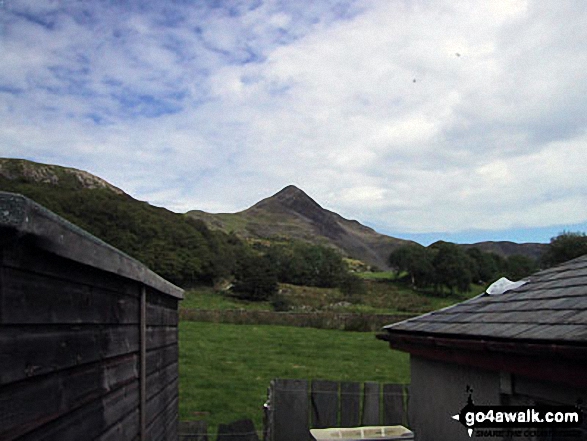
(519, 266)
(564, 247)
(416, 260)
(452, 267)
(255, 278)
(301, 263)
(485, 267)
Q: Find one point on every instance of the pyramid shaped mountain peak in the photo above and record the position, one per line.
(291, 190)
(289, 198)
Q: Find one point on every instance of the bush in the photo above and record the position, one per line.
(255, 278)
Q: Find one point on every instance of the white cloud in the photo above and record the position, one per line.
(418, 116)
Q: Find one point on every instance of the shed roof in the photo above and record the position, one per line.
(58, 236)
(550, 308)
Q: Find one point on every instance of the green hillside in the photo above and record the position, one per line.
(181, 249)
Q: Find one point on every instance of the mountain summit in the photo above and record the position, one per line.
(290, 197)
(292, 214)
(293, 202)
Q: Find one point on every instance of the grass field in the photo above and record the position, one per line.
(225, 369)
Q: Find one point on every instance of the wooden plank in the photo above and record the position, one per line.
(162, 310)
(242, 430)
(162, 357)
(76, 411)
(34, 402)
(350, 404)
(28, 298)
(95, 418)
(371, 407)
(125, 429)
(158, 402)
(393, 404)
(34, 260)
(407, 408)
(160, 336)
(143, 363)
(164, 426)
(158, 315)
(324, 400)
(27, 351)
(290, 410)
(160, 379)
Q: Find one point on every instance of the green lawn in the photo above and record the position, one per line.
(225, 369)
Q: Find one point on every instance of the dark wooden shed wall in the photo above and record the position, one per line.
(70, 350)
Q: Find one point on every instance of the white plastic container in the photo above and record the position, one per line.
(373, 433)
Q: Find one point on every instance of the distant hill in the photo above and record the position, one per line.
(148, 233)
(292, 214)
(181, 249)
(506, 248)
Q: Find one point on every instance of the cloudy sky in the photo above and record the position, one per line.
(425, 119)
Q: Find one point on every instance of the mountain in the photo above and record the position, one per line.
(114, 216)
(292, 214)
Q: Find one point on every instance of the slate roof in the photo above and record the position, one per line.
(552, 306)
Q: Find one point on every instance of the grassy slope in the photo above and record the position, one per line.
(225, 369)
(383, 295)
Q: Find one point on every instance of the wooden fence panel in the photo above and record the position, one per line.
(290, 410)
(393, 404)
(350, 404)
(324, 398)
(371, 406)
(331, 404)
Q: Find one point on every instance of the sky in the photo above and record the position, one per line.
(424, 119)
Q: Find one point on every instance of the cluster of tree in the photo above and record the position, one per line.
(445, 264)
(566, 246)
(297, 263)
(184, 250)
(179, 248)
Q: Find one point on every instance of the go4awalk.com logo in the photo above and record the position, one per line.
(516, 417)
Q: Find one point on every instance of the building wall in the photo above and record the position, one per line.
(70, 350)
(439, 390)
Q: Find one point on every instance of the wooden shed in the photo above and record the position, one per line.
(524, 347)
(88, 335)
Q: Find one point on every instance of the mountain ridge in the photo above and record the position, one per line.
(291, 213)
(288, 214)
